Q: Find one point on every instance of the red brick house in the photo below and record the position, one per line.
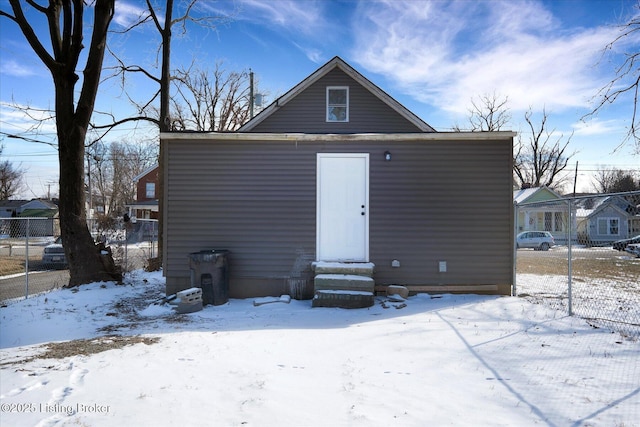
(146, 204)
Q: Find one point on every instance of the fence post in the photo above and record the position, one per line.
(570, 258)
(515, 248)
(26, 262)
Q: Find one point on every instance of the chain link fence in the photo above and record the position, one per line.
(567, 256)
(32, 258)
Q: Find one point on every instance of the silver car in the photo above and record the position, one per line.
(538, 240)
(53, 255)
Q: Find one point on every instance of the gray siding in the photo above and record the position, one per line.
(306, 113)
(435, 201)
(611, 213)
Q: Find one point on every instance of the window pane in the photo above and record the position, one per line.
(613, 226)
(547, 221)
(151, 190)
(602, 226)
(337, 97)
(558, 221)
(338, 114)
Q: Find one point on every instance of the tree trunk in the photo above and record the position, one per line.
(65, 18)
(165, 120)
(87, 262)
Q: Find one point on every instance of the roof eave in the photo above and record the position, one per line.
(338, 137)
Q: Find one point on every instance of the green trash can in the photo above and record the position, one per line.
(210, 271)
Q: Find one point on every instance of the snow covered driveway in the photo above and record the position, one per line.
(451, 360)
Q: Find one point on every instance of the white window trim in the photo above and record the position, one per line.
(327, 118)
(608, 226)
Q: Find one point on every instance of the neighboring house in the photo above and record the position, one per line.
(337, 170)
(9, 208)
(43, 222)
(542, 209)
(12, 208)
(146, 204)
(608, 219)
(45, 213)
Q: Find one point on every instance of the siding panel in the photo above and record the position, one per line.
(306, 112)
(434, 201)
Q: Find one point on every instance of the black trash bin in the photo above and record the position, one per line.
(209, 271)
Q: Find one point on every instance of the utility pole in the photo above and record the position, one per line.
(250, 94)
(89, 215)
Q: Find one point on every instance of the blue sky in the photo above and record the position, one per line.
(433, 57)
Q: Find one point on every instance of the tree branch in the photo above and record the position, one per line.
(29, 34)
(25, 138)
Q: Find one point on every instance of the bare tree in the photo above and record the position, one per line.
(626, 80)
(164, 23)
(541, 159)
(66, 21)
(10, 178)
(210, 100)
(488, 113)
(616, 180)
(114, 168)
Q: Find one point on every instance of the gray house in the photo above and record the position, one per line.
(611, 218)
(336, 170)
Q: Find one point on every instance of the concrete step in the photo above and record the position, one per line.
(343, 299)
(349, 282)
(355, 268)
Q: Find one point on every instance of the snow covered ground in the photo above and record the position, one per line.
(448, 360)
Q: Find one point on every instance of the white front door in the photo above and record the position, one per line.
(342, 222)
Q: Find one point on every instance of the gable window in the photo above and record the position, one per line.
(337, 104)
(609, 226)
(151, 190)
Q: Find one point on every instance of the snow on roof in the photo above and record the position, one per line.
(583, 213)
(523, 194)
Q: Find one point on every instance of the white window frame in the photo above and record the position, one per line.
(150, 186)
(608, 226)
(329, 106)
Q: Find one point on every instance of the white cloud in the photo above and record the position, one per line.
(597, 127)
(445, 53)
(13, 68)
(29, 121)
(127, 14)
(291, 15)
(314, 55)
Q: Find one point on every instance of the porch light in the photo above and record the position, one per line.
(387, 156)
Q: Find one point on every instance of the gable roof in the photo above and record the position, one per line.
(27, 204)
(12, 203)
(39, 204)
(535, 194)
(613, 202)
(145, 172)
(339, 63)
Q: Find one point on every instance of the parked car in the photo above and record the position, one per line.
(53, 255)
(634, 249)
(538, 240)
(621, 245)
